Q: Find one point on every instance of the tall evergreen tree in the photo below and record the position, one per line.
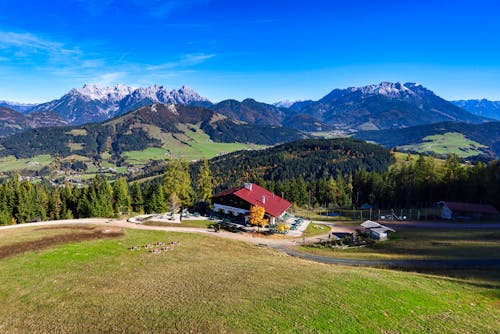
(137, 198)
(122, 199)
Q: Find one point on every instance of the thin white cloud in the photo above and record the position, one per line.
(52, 58)
(183, 62)
(28, 41)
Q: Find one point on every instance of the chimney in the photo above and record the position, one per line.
(263, 199)
(248, 186)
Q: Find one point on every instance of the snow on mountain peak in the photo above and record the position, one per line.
(389, 89)
(97, 92)
(155, 93)
(285, 103)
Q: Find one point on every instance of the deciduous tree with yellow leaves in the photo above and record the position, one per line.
(257, 216)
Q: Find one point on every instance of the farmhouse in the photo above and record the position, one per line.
(451, 210)
(377, 231)
(237, 201)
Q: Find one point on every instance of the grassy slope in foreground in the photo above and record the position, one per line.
(213, 285)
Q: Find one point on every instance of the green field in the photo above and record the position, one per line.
(407, 159)
(192, 144)
(152, 153)
(450, 142)
(214, 285)
(11, 163)
(315, 229)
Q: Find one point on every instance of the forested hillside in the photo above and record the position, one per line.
(307, 159)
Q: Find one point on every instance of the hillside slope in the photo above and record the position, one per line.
(308, 159)
(12, 121)
(466, 140)
(156, 126)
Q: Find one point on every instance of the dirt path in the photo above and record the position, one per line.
(246, 237)
(411, 263)
(285, 245)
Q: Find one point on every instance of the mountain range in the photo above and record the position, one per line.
(383, 106)
(93, 103)
(483, 107)
(20, 107)
(152, 114)
(163, 126)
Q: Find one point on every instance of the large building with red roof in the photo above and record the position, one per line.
(238, 200)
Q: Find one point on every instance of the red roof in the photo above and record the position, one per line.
(258, 196)
(472, 207)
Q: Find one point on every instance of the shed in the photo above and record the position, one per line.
(375, 230)
(380, 233)
(370, 224)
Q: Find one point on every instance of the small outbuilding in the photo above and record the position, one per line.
(376, 231)
(453, 210)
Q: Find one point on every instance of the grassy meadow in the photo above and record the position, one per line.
(432, 244)
(426, 244)
(191, 144)
(214, 285)
(450, 142)
(11, 163)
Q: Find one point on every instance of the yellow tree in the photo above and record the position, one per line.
(257, 216)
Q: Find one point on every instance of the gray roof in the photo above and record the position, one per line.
(370, 224)
(382, 229)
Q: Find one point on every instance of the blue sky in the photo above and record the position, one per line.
(268, 50)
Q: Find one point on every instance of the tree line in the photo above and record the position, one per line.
(22, 201)
(417, 184)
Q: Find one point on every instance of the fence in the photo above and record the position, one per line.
(376, 214)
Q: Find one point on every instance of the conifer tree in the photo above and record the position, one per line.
(122, 197)
(137, 198)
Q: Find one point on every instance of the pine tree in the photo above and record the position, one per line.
(55, 204)
(122, 197)
(158, 202)
(137, 198)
